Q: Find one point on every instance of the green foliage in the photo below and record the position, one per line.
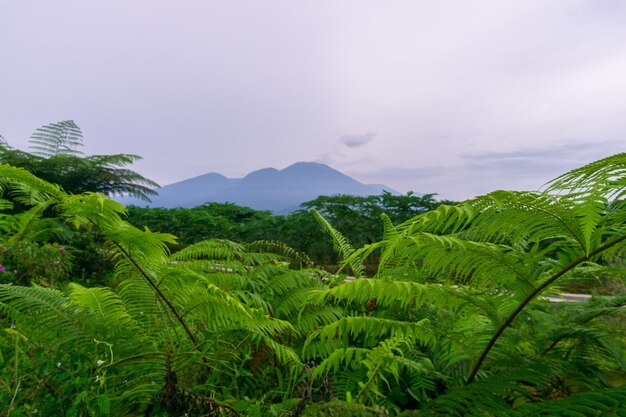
(342, 409)
(23, 263)
(357, 218)
(477, 269)
(453, 322)
(191, 316)
(208, 221)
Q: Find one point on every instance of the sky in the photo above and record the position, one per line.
(451, 97)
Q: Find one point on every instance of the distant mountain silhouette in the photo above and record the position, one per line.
(280, 191)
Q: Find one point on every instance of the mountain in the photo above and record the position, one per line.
(280, 191)
(182, 194)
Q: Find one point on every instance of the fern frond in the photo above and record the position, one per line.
(30, 226)
(445, 219)
(27, 188)
(214, 250)
(597, 403)
(533, 217)
(61, 138)
(5, 204)
(493, 395)
(341, 359)
(51, 308)
(140, 302)
(312, 317)
(341, 245)
(279, 248)
(389, 230)
(104, 303)
(404, 294)
(373, 328)
(284, 354)
(606, 177)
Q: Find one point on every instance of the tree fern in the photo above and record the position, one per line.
(61, 138)
(57, 159)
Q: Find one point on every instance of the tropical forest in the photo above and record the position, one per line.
(387, 305)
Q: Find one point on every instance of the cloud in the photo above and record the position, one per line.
(540, 163)
(354, 141)
(470, 174)
(566, 150)
(536, 165)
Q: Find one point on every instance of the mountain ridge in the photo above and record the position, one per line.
(278, 190)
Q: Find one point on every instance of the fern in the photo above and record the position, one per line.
(341, 245)
(60, 138)
(26, 188)
(301, 259)
(102, 302)
(606, 177)
(607, 402)
(386, 293)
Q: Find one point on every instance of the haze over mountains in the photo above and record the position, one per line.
(280, 191)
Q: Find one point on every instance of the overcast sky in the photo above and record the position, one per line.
(451, 97)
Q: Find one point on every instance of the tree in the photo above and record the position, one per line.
(57, 159)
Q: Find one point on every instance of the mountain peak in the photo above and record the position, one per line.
(309, 167)
(305, 164)
(261, 173)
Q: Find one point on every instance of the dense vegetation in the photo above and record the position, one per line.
(358, 219)
(453, 321)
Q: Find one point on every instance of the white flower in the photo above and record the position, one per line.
(100, 362)
(12, 326)
(97, 378)
(58, 364)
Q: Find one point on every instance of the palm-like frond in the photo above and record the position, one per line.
(606, 177)
(341, 245)
(301, 259)
(405, 294)
(598, 403)
(46, 313)
(25, 187)
(61, 138)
